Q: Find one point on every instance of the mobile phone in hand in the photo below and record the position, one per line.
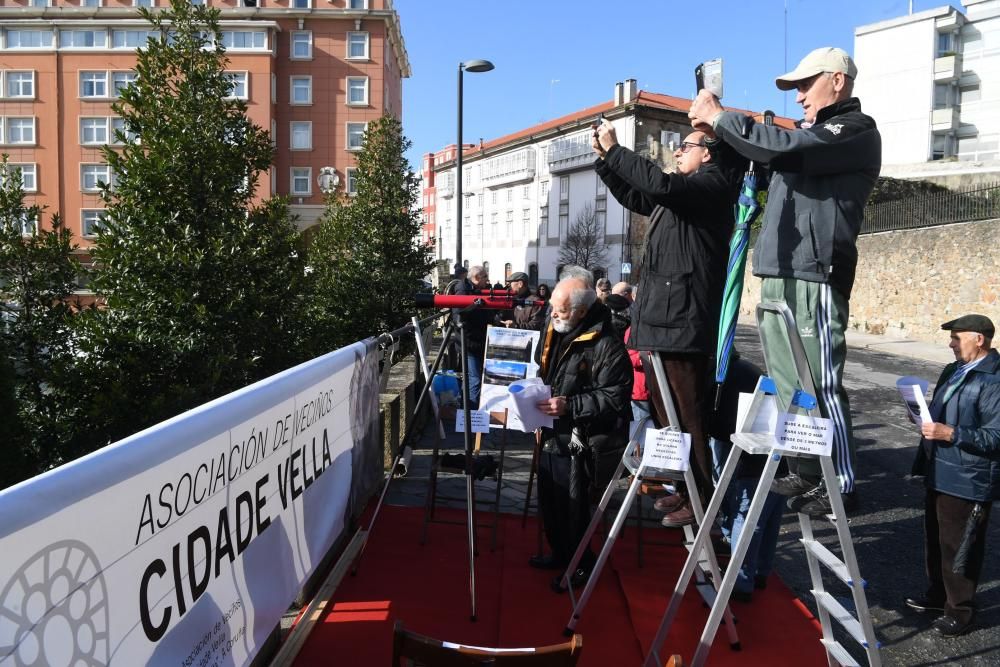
(708, 76)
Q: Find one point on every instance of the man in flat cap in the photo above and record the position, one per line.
(821, 176)
(959, 455)
(522, 317)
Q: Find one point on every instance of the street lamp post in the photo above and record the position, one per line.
(468, 66)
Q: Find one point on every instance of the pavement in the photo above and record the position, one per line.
(887, 529)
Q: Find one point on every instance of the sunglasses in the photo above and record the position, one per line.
(687, 145)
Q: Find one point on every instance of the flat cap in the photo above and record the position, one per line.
(460, 269)
(972, 322)
(518, 275)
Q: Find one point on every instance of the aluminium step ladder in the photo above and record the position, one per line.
(702, 555)
(829, 609)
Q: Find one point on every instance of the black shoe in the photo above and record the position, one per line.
(546, 562)
(577, 580)
(793, 485)
(745, 597)
(484, 466)
(816, 503)
(924, 604)
(760, 582)
(948, 626)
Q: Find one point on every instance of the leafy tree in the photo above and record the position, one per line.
(37, 277)
(366, 256)
(201, 285)
(584, 245)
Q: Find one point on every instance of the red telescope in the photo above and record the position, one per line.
(495, 302)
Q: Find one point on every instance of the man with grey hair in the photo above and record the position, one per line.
(587, 367)
(475, 331)
(821, 177)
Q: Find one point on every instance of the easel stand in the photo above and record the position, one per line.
(455, 323)
(701, 553)
(845, 570)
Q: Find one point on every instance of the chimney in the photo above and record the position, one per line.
(630, 90)
(619, 92)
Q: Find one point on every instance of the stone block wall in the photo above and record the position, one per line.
(910, 281)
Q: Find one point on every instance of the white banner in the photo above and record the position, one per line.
(184, 544)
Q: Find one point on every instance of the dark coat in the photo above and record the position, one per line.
(686, 247)
(969, 466)
(525, 317)
(591, 368)
(476, 322)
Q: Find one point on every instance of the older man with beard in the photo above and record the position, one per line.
(586, 365)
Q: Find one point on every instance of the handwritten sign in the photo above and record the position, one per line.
(666, 449)
(803, 434)
(480, 421)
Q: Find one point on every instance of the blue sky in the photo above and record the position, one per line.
(554, 57)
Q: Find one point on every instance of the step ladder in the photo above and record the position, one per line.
(701, 555)
(846, 570)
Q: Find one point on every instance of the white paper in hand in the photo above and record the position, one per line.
(526, 394)
(912, 390)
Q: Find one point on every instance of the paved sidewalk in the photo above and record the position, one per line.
(938, 352)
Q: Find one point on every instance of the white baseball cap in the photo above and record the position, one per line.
(825, 59)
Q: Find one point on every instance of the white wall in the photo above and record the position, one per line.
(896, 86)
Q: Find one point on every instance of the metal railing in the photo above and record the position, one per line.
(980, 202)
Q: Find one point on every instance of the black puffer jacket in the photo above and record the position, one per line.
(591, 368)
(687, 245)
(969, 466)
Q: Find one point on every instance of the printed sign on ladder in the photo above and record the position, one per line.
(803, 434)
(666, 449)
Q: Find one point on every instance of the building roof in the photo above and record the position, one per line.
(925, 15)
(591, 114)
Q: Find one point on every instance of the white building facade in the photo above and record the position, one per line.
(523, 192)
(931, 81)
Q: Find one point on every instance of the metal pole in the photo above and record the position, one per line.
(458, 175)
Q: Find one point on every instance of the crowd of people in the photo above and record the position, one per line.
(598, 340)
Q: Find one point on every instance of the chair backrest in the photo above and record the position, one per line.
(411, 648)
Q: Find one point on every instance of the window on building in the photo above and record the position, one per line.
(301, 132)
(240, 83)
(20, 84)
(132, 39)
(143, 3)
(526, 192)
(510, 195)
(945, 44)
(93, 84)
(29, 178)
(38, 3)
(352, 180)
(526, 223)
(92, 175)
(357, 45)
(358, 4)
(564, 188)
(302, 45)
(602, 189)
(122, 80)
(83, 39)
(29, 39)
(29, 223)
(942, 95)
(118, 125)
(20, 130)
(301, 4)
(357, 90)
(301, 90)
(244, 39)
(601, 216)
(93, 131)
(97, 3)
(355, 136)
(494, 219)
(301, 180)
(90, 221)
(510, 224)
(493, 197)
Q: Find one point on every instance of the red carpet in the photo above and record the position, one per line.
(427, 587)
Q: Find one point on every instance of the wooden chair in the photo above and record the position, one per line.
(412, 649)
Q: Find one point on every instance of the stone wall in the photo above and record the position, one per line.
(909, 282)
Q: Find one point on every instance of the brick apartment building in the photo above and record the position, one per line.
(313, 72)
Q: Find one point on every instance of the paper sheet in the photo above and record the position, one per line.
(912, 390)
(525, 394)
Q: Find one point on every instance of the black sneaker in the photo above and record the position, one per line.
(793, 485)
(924, 604)
(816, 503)
(949, 626)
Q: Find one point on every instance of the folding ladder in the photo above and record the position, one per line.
(846, 570)
(702, 554)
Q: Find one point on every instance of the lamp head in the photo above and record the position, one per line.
(477, 66)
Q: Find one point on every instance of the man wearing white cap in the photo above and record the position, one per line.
(821, 177)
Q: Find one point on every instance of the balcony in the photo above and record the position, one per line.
(570, 153)
(508, 168)
(947, 68)
(446, 185)
(945, 119)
